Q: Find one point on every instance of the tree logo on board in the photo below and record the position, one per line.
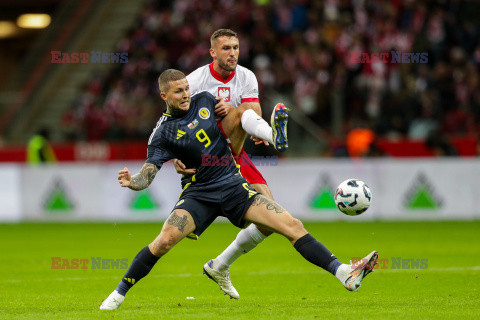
(58, 199)
(144, 201)
(323, 198)
(421, 195)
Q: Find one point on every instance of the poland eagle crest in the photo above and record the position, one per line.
(224, 92)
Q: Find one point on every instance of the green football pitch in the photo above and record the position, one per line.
(428, 270)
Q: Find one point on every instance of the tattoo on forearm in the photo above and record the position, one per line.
(269, 204)
(144, 178)
(177, 221)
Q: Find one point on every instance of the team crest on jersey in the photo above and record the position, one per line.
(193, 124)
(224, 92)
(204, 113)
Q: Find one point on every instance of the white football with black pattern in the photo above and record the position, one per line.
(353, 197)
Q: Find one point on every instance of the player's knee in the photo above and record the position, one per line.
(294, 230)
(162, 245)
(265, 232)
(297, 226)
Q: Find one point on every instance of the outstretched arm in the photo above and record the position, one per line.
(140, 180)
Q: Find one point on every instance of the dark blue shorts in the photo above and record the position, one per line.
(230, 198)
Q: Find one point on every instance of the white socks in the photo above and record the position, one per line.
(255, 126)
(246, 240)
(342, 272)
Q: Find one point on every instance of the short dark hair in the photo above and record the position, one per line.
(222, 33)
(167, 76)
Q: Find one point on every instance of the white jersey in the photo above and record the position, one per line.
(241, 86)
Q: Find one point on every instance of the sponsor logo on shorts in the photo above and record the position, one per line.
(251, 191)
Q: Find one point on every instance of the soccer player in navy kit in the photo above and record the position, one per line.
(188, 131)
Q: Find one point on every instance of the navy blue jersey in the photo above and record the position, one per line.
(196, 140)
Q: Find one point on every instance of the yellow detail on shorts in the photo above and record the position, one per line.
(251, 192)
(192, 236)
(238, 167)
(236, 164)
(186, 186)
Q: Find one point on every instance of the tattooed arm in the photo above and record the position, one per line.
(140, 180)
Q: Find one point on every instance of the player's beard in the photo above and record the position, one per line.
(224, 65)
(176, 112)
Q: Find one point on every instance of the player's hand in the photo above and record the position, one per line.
(259, 141)
(124, 177)
(180, 168)
(222, 108)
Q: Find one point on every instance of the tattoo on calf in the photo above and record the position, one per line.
(177, 221)
(269, 204)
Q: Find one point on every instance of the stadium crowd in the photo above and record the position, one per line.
(304, 49)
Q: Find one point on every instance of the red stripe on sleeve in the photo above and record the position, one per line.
(249, 100)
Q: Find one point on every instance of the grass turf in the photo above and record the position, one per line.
(274, 281)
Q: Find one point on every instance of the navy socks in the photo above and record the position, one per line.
(140, 267)
(317, 253)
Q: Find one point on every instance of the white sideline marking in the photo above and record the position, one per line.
(258, 273)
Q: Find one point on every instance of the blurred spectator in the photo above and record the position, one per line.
(39, 149)
(440, 145)
(359, 141)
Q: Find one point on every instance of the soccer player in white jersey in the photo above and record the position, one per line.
(234, 85)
